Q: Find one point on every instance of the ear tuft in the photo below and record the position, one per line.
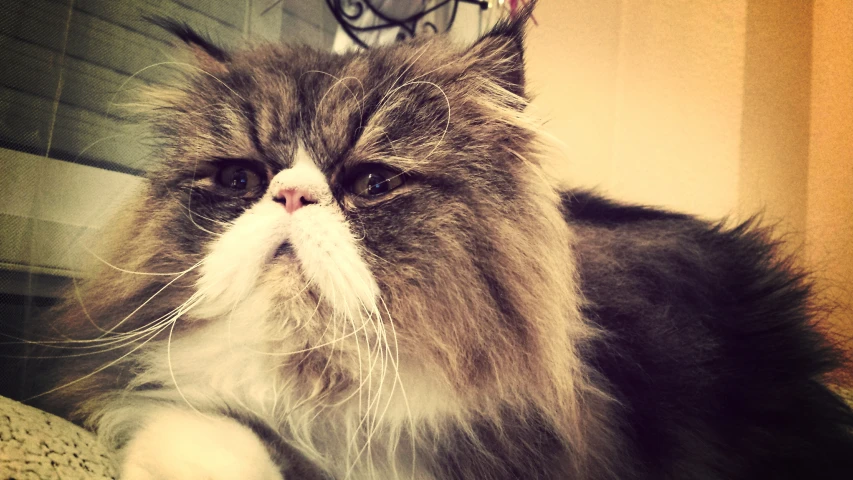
(512, 27)
(209, 55)
(500, 53)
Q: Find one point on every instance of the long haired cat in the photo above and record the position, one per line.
(353, 266)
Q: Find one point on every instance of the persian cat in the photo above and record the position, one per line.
(353, 266)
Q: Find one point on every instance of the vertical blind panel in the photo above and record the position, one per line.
(65, 68)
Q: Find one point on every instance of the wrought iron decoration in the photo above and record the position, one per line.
(349, 12)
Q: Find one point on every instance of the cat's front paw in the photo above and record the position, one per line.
(184, 445)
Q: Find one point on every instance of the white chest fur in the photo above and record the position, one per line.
(227, 365)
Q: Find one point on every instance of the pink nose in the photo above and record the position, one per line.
(294, 198)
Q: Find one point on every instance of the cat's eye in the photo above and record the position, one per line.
(239, 179)
(375, 181)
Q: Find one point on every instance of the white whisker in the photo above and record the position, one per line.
(131, 314)
(160, 64)
(83, 305)
(191, 302)
(132, 272)
(340, 81)
(95, 372)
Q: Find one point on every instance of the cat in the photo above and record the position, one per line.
(354, 266)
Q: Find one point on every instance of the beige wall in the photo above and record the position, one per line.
(730, 107)
(774, 151)
(830, 174)
(646, 96)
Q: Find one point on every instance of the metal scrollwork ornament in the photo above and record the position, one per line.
(355, 16)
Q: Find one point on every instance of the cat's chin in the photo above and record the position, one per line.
(284, 250)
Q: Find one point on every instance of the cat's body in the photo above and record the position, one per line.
(367, 275)
(708, 348)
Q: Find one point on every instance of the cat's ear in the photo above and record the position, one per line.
(206, 55)
(499, 54)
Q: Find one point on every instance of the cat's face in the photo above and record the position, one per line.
(387, 200)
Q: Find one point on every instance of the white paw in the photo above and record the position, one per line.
(184, 445)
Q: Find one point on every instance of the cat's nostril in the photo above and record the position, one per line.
(294, 198)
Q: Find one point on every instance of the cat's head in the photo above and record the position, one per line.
(386, 202)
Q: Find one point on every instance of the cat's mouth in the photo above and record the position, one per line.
(286, 248)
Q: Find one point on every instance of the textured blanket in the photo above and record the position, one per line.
(37, 445)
